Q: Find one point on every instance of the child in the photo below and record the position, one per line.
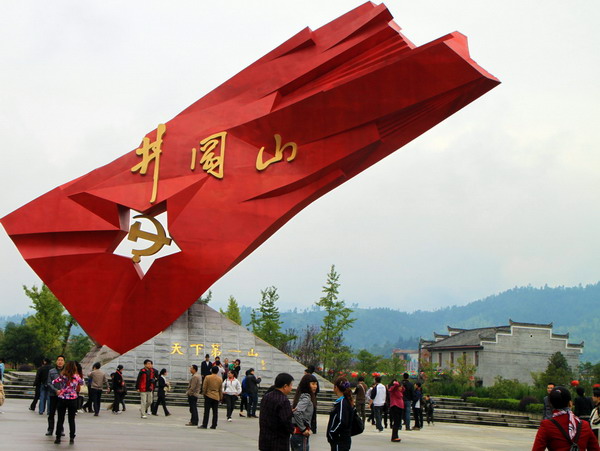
(428, 405)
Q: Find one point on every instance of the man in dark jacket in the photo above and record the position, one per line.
(41, 392)
(118, 388)
(205, 367)
(52, 392)
(408, 397)
(360, 393)
(276, 416)
(252, 390)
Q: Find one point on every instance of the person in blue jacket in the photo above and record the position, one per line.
(340, 418)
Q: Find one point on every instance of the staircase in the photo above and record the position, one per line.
(448, 410)
(19, 385)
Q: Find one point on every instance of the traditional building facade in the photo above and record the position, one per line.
(513, 351)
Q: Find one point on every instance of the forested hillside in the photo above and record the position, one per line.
(570, 309)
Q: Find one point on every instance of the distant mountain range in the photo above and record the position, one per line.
(572, 310)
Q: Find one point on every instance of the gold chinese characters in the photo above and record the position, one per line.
(150, 151)
(212, 162)
(209, 156)
(262, 165)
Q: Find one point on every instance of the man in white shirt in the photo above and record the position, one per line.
(378, 395)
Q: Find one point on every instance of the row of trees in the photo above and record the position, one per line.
(46, 333)
(322, 346)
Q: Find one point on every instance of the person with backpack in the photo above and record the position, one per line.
(339, 427)
(564, 431)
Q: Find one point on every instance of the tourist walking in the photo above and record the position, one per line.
(145, 383)
(416, 406)
(563, 429)
(310, 369)
(212, 389)
(98, 381)
(118, 388)
(429, 406)
(69, 383)
(193, 393)
(244, 397)
(303, 408)
(53, 374)
(41, 391)
(360, 397)
(396, 408)
(163, 387)
(408, 396)
(339, 427)
(231, 390)
(275, 424)
(252, 390)
(378, 397)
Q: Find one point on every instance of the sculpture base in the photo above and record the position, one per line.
(200, 330)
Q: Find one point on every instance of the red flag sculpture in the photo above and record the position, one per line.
(235, 166)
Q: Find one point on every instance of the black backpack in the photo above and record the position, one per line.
(574, 445)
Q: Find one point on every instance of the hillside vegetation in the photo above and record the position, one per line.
(570, 309)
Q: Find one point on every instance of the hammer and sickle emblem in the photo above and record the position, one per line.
(159, 238)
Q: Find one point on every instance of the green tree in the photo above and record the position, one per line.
(233, 311)
(337, 319)
(394, 367)
(266, 322)
(205, 300)
(49, 321)
(305, 346)
(70, 323)
(366, 362)
(20, 344)
(78, 347)
(463, 372)
(558, 371)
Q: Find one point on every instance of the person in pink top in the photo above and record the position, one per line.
(396, 407)
(69, 382)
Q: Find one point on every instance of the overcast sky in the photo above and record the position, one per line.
(504, 193)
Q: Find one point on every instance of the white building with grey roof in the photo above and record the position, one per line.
(513, 351)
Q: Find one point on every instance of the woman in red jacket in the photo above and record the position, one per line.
(564, 428)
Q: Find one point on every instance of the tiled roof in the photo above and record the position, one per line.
(469, 338)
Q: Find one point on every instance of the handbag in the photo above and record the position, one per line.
(358, 426)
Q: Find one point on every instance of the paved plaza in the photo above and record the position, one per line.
(21, 429)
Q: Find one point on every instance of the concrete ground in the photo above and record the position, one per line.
(21, 429)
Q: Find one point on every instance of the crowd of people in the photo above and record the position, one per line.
(60, 388)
